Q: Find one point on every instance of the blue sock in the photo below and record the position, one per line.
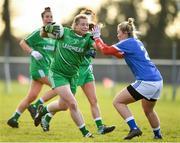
(157, 131)
(131, 122)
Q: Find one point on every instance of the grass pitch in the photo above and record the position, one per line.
(63, 129)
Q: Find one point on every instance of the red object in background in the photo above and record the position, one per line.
(23, 79)
(107, 82)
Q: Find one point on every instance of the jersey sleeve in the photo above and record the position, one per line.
(124, 46)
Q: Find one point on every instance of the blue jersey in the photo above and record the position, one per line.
(138, 60)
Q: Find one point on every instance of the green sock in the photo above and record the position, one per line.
(98, 122)
(83, 130)
(37, 103)
(16, 116)
(44, 111)
(48, 118)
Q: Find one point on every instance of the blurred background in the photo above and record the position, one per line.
(157, 20)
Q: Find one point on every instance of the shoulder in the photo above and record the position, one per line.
(88, 37)
(37, 31)
(126, 44)
(68, 31)
(34, 34)
(129, 42)
(67, 28)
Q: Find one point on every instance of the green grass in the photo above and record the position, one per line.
(63, 129)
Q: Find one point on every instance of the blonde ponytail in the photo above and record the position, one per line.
(129, 27)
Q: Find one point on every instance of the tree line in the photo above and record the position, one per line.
(152, 25)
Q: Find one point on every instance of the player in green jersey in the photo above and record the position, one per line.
(87, 83)
(69, 54)
(41, 50)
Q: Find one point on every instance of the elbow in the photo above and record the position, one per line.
(21, 42)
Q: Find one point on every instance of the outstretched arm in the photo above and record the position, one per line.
(108, 50)
(104, 48)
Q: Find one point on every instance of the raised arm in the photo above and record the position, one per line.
(52, 30)
(104, 48)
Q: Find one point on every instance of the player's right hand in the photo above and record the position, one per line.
(36, 55)
(52, 28)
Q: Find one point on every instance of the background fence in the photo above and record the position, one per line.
(113, 69)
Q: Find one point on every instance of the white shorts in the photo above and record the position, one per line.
(148, 89)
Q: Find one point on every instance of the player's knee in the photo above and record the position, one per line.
(73, 106)
(147, 111)
(64, 108)
(32, 97)
(115, 102)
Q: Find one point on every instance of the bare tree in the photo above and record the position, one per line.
(6, 35)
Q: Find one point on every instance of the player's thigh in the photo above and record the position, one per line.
(65, 93)
(124, 97)
(35, 88)
(90, 91)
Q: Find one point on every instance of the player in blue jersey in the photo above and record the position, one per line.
(148, 84)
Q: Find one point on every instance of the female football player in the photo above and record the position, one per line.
(148, 84)
(41, 50)
(69, 54)
(87, 82)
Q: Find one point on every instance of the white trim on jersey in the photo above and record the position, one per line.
(114, 46)
(41, 72)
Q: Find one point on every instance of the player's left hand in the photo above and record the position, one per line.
(96, 32)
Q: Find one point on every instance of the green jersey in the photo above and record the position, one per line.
(45, 46)
(70, 52)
